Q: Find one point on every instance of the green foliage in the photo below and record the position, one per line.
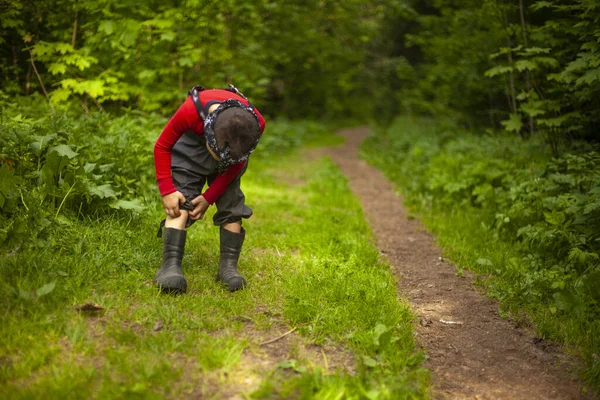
(544, 210)
(293, 58)
(55, 164)
(528, 67)
(283, 136)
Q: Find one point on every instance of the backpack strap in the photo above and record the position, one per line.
(235, 90)
(195, 93)
(200, 109)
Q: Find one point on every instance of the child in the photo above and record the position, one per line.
(208, 140)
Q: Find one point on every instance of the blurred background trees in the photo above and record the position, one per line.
(529, 67)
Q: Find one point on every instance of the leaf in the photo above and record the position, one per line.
(498, 70)
(61, 219)
(523, 96)
(139, 387)
(106, 26)
(160, 23)
(287, 364)
(536, 50)
(558, 121)
(581, 257)
(168, 36)
(382, 335)
(102, 191)
(591, 207)
(533, 109)
(484, 261)
(44, 290)
(185, 62)
(550, 62)
(133, 205)
(555, 218)
(59, 95)
(8, 180)
(369, 362)
(542, 4)
(57, 68)
(147, 74)
(525, 65)
(89, 167)
(567, 301)
(24, 295)
(83, 62)
(589, 78)
(94, 88)
(41, 142)
(513, 124)
(42, 48)
(63, 150)
(63, 48)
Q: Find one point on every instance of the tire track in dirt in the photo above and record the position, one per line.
(482, 356)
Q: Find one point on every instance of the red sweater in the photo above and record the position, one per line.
(186, 119)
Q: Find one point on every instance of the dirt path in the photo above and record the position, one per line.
(480, 356)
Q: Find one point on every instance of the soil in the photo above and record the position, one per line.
(472, 352)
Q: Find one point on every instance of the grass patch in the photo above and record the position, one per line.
(310, 262)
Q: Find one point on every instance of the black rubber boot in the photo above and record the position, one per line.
(170, 276)
(231, 245)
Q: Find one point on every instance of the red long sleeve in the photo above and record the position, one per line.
(186, 119)
(222, 181)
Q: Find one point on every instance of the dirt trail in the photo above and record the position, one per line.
(480, 356)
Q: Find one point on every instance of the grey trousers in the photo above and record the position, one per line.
(192, 167)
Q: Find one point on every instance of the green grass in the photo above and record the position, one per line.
(311, 265)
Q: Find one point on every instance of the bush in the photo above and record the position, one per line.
(55, 163)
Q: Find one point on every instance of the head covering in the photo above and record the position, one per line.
(209, 133)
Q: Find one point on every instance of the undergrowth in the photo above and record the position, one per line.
(527, 222)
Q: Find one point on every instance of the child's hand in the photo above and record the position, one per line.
(200, 206)
(171, 203)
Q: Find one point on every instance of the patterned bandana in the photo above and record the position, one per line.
(209, 125)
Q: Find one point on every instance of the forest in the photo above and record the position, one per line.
(485, 115)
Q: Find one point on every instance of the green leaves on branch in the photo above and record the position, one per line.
(513, 124)
(542, 61)
(300, 58)
(63, 59)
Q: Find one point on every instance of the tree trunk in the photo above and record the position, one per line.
(527, 73)
(28, 80)
(74, 36)
(511, 75)
(179, 30)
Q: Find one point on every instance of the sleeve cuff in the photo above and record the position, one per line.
(166, 187)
